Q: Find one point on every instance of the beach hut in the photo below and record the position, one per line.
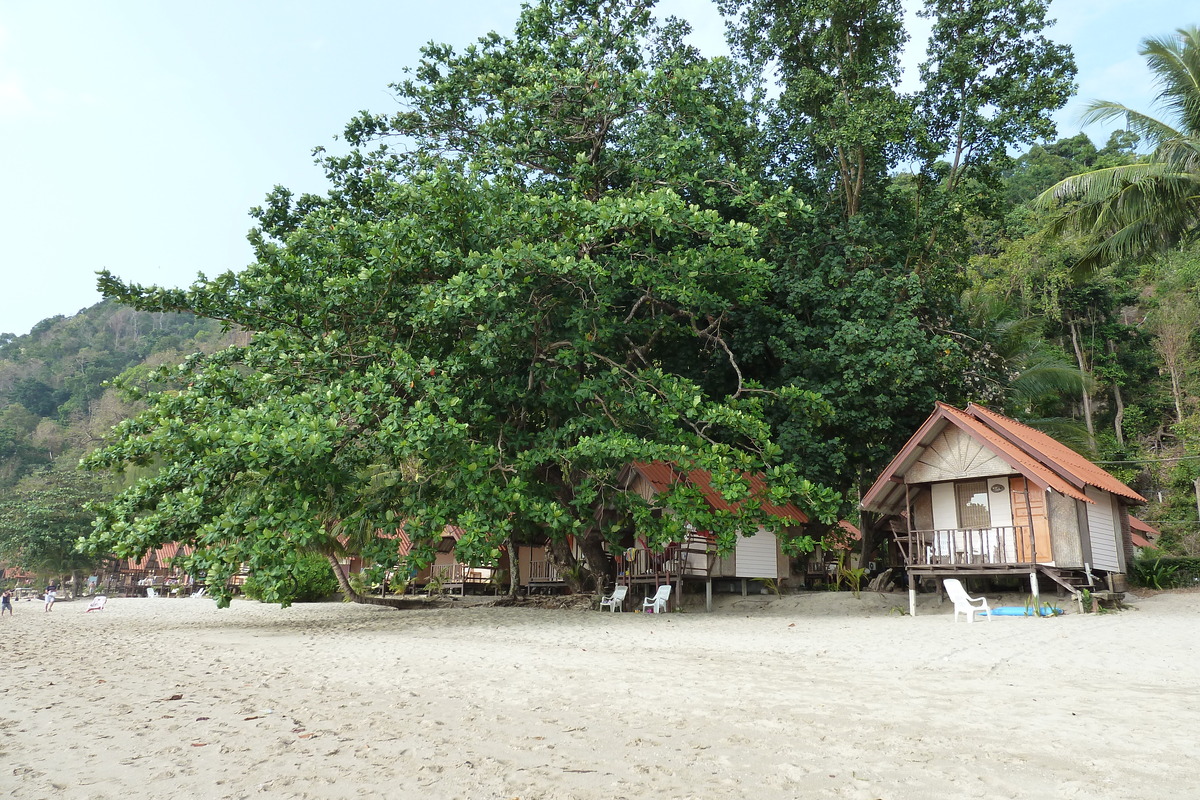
(756, 557)
(1142, 534)
(976, 493)
(447, 573)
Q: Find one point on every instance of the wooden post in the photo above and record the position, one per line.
(743, 587)
(1033, 585)
(912, 595)
(708, 594)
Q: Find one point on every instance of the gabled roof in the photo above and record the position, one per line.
(1044, 461)
(160, 555)
(662, 476)
(1143, 534)
(1061, 458)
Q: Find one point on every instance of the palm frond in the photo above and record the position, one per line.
(1151, 129)
(1175, 63)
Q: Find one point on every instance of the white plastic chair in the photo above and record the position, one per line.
(615, 601)
(151, 591)
(203, 590)
(97, 603)
(963, 602)
(658, 603)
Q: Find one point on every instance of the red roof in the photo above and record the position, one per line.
(1142, 533)
(1146, 528)
(662, 476)
(162, 554)
(1061, 458)
(1040, 458)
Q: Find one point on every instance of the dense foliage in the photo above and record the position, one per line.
(585, 244)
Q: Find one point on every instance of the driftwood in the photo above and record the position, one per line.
(881, 582)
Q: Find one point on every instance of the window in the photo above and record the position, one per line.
(971, 499)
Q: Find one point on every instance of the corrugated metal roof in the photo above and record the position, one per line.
(1037, 456)
(1017, 456)
(161, 554)
(1144, 527)
(662, 476)
(1060, 457)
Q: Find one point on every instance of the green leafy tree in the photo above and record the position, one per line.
(1131, 210)
(864, 305)
(42, 519)
(480, 338)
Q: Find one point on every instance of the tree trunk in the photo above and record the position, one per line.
(514, 567)
(568, 567)
(1119, 419)
(600, 563)
(348, 590)
(1083, 367)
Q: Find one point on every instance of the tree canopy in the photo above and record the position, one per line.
(473, 338)
(1153, 204)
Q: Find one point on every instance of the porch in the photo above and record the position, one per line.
(988, 549)
(543, 575)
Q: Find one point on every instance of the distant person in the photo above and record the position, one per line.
(6, 603)
(49, 598)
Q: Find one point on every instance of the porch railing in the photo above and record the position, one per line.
(1001, 545)
(544, 572)
(695, 557)
(446, 574)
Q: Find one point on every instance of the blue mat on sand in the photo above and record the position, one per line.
(1022, 611)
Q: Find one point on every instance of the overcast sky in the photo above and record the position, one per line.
(136, 135)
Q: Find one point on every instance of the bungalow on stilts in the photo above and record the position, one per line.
(974, 493)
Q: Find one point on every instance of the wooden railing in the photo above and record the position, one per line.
(1002, 545)
(458, 574)
(544, 572)
(693, 557)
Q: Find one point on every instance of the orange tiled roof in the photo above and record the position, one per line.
(1060, 457)
(663, 475)
(1040, 458)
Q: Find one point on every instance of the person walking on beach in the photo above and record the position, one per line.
(6, 603)
(49, 598)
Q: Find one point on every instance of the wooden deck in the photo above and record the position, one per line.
(999, 546)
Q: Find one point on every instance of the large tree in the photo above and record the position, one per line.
(480, 331)
(1150, 206)
(43, 518)
(864, 304)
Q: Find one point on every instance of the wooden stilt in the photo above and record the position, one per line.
(708, 594)
(912, 596)
(1033, 586)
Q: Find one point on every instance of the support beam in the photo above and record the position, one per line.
(708, 594)
(1033, 587)
(912, 596)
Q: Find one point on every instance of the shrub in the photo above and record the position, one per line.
(301, 579)
(1166, 572)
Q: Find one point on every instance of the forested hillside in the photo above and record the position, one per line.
(585, 244)
(55, 406)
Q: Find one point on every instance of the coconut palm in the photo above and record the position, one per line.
(1153, 205)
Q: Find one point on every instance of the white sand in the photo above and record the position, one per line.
(810, 696)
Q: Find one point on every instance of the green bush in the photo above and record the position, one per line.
(1166, 572)
(300, 579)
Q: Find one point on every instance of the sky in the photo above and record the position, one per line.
(135, 135)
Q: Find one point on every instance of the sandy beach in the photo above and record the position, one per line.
(812, 695)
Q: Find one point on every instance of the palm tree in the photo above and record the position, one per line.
(1153, 205)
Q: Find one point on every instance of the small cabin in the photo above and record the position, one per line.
(976, 493)
(757, 557)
